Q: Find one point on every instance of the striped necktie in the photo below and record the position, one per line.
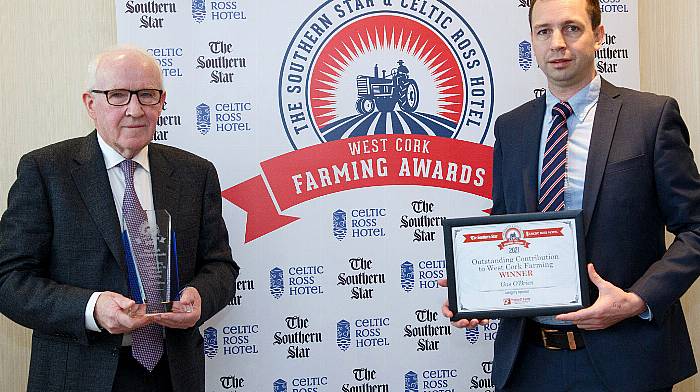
(147, 341)
(554, 161)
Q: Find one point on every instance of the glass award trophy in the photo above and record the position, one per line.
(151, 259)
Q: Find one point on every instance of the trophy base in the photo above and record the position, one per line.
(167, 308)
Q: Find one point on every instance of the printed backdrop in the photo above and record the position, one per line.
(343, 132)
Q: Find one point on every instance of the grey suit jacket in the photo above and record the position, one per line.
(60, 242)
(640, 179)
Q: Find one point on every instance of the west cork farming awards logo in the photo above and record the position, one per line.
(375, 94)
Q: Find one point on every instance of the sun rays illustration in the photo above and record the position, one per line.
(386, 74)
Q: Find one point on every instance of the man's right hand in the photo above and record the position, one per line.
(473, 323)
(118, 314)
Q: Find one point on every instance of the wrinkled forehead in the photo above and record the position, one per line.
(129, 70)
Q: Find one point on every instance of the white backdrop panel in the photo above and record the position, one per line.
(343, 131)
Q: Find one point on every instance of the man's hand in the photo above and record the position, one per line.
(473, 323)
(186, 311)
(118, 314)
(613, 305)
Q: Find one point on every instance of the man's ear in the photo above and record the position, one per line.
(89, 102)
(599, 36)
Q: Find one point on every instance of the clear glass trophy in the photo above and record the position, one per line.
(151, 259)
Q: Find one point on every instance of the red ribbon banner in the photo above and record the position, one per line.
(360, 162)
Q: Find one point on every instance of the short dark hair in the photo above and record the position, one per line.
(592, 6)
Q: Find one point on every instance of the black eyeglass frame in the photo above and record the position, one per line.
(131, 93)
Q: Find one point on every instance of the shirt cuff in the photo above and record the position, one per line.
(90, 323)
(646, 315)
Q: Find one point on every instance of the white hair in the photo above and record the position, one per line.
(95, 62)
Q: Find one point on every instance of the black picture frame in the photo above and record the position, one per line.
(524, 311)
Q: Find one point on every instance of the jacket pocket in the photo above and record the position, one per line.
(626, 164)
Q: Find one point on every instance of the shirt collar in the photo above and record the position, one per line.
(113, 158)
(582, 102)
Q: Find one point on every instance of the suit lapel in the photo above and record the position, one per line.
(604, 124)
(532, 130)
(164, 183)
(90, 177)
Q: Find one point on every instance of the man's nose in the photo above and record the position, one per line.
(557, 41)
(134, 108)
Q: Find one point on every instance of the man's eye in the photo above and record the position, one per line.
(118, 94)
(543, 34)
(572, 28)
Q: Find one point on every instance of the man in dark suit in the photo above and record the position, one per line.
(62, 260)
(623, 157)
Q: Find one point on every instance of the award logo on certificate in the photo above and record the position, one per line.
(516, 265)
(151, 259)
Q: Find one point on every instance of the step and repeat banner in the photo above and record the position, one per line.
(344, 132)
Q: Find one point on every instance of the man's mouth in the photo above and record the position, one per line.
(559, 62)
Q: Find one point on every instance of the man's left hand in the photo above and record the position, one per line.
(186, 311)
(613, 305)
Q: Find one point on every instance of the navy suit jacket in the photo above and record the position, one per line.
(640, 180)
(60, 242)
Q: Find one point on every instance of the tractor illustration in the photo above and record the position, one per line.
(383, 93)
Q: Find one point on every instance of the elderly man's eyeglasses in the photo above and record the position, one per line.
(122, 97)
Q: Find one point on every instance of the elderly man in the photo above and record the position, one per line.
(64, 271)
(623, 157)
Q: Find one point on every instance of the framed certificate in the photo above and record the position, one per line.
(516, 265)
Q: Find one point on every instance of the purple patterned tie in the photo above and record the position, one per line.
(554, 161)
(147, 342)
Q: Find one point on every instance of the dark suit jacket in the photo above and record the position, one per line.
(60, 242)
(640, 178)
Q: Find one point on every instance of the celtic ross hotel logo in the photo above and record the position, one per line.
(340, 224)
(472, 335)
(279, 386)
(276, 282)
(199, 10)
(203, 118)
(525, 55)
(211, 346)
(411, 382)
(407, 276)
(343, 335)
